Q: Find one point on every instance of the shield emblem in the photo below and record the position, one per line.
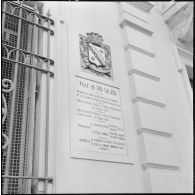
(96, 55)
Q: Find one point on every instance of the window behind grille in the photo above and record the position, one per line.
(22, 70)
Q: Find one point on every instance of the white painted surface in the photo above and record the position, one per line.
(165, 181)
(159, 150)
(147, 89)
(177, 104)
(137, 39)
(137, 61)
(135, 22)
(81, 175)
(140, 15)
(85, 176)
(152, 118)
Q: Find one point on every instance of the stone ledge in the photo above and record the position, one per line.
(135, 71)
(158, 151)
(127, 8)
(160, 166)
(147, 90)
(185, 53)
(135, 23)
(152, 119)
(152, 131)
(143, 6)
(130, 46)
(142, 64)
(137, 99)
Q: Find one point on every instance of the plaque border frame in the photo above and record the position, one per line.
(77, 153)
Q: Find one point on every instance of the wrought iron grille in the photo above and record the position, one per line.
(22, 69)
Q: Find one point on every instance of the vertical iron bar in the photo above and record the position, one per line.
(3, 17)
(47, 105)
(32, 104)
(11, 124)
(38, 108)
(23, 129)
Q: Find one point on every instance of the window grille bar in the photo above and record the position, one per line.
(47, 106)
(20, 34)
(12, 105)
(29, 53)
(32, 106)
(30, 66)
(33, 23)
(3, 18)
(23, 128)
(32, 11)
(49, 179)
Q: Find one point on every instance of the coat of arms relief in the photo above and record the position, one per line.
(95, 56)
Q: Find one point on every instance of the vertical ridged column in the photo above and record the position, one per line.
(184, 75)
(156, 144)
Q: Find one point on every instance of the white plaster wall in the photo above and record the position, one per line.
(85, 176)
(81, 175)
(181, 119)
(152, 118)
(135, 63)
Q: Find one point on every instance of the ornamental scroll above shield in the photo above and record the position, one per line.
(95, 56)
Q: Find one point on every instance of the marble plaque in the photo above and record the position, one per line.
(98, 126)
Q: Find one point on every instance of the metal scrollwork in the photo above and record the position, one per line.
(7, 86)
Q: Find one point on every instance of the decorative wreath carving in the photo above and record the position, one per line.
(90, 46)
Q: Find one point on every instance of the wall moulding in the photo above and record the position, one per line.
(153, 119)
(179, 18)
(185, 53)
(158, 151)
(143, 6)
(130, 21)
(152, 102)
(125, 7)
(137, 41)
(159, 166)
(145, 52)
(152, 131)
(147, 90)
(134, 71)
(141, 64)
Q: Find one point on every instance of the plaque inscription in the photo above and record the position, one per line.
(99, 119)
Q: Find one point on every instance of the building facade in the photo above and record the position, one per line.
(97, 97)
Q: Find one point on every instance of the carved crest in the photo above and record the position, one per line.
(95, 56)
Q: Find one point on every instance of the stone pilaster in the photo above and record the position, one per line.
(157, 150)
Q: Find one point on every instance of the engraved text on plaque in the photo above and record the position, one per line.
(99, 119)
